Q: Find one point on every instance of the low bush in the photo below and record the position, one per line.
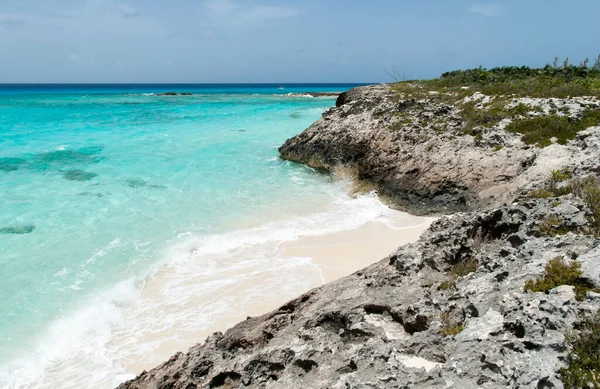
(450, 326)
(557, 272)
(583, 370)
(540, 130)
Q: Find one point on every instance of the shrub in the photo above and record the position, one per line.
(448, 284)
(583, 370)
(450, 326)
(540, 129)
(587, 189)
(556, 273)
(552, 226)
(561, 175)
(464, 268)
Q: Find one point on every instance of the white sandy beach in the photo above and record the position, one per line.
(314, 259)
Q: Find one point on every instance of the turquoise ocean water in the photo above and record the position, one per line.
(104, 187)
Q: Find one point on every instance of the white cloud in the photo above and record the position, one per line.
(74, 57)
(491, 10)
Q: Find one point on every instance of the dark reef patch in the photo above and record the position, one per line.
(136, 183)
(78, 175)
(83, 156)
(10, 164)
(90, 194)
(19, 229)
(139, 183)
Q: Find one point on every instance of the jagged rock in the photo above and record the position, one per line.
(413, 320)
(382, 326)
(425, 169)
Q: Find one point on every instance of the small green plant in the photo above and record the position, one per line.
(587, 189)
(552, 226)
(446, 285)
(457, 270)
(555, 204)
(583, 370)
(464, 268)
(541, 193)
(561, 175)
(497, 148)
(450, 326)
(557, 272)
(540, 130)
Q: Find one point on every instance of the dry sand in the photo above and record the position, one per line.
(254, 291)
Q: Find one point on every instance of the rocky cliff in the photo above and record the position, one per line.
(412, 148)
(478, 301)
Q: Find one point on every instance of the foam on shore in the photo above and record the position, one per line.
(206, 284)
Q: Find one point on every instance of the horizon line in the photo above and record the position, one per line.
(188, 83)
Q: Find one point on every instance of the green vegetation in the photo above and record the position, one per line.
(450, 326)
(446, 285)
(561, 175)
(464, 268)
(552, 226)
(583, 370)
(587, 189)
(497, 148)
(557, 272)
(540, 130)
(503, 85)
(460, 269)
(553, 80)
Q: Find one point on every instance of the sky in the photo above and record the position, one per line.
(256, 41)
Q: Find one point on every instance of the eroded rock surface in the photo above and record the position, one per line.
(448, 311)
(414, 153)
(385, 326)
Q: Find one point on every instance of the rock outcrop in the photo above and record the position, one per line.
(413, 152)
(405, 322)
(449, 311)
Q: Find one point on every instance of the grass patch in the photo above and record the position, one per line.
(446, 285)
(450, 327)
(557, 272)
(540, 130)
(504, 84)
(460, 269)
(497, 148)
(587, 189)
(583, 370)
(561, 175)
(464, 268)
(553, 80)
(552, 226)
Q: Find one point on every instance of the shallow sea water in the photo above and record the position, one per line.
(128, 219)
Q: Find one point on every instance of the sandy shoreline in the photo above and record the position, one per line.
(345, 252)
(316, 259)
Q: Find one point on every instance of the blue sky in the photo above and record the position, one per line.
(283, 41)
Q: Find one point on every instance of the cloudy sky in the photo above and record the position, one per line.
(285, 40)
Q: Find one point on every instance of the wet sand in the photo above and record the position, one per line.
(231, 288)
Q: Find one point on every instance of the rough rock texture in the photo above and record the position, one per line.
(383, 326)
(427, 168)
(413, 320)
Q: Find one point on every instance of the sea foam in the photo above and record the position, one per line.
(203, 284)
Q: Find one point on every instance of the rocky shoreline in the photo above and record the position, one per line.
(451, 310)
